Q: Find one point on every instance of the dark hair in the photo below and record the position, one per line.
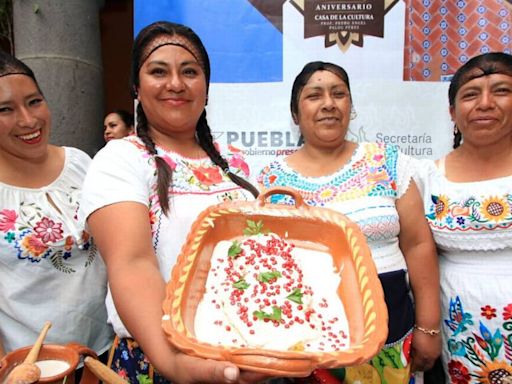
(164, 172)
(479, 66)
(126, 116)
(304, 76)
(10, 65)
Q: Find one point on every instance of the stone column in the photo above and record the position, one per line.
(60, 41)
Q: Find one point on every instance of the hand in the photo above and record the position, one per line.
(425, 350)
(190, 370)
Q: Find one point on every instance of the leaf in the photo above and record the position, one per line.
(275, 315)
(254, 228)
(241, 284)
(235, 249)
(295, 296)
(265, 277)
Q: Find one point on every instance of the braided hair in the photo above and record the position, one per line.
(479, 66)
(143, 46)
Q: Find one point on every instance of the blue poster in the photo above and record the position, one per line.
(243, 45)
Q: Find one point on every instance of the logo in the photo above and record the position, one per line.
(343, 22)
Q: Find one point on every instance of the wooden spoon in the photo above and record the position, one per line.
(102, 372)
(28, 372)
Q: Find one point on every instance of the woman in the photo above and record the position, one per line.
(371, 184)
(468, 199)
(117, 125)
(143, 193)
(49, 266)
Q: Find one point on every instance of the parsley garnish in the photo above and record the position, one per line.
(241, 284)
(235, 249)
(254, 228)
(275, 315)
(265, 277)
(295, 296)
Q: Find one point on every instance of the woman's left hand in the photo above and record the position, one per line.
(425, 350)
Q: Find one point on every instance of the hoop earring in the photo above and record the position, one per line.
(353, 114)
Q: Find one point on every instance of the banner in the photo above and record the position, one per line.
(399, 55)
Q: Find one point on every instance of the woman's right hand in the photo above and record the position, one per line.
(187, 369)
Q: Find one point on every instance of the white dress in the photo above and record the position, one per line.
(124, 171)
(472, 227)
(49, 267)
(366, 190)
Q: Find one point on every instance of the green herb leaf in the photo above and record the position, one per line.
(241, 284)
(275, 315)
(295, 296)
(254, 228)
(235, 249)
(265, 277)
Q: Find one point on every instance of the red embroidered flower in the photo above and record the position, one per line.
(272, 179)
(507, 312)
(7, 219)
(48, 231)
(458, 372)
(237, 161)
(208, 176)
(488, 312)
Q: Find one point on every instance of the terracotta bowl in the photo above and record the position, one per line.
(70, 353)
(360, 290)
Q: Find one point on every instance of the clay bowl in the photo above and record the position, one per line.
(360, 290)
(70, 353)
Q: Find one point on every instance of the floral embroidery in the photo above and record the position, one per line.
(488, 312)
(494, 372)
(507, 312)
(237, 161)
(36, 237)
(440, 206)
(195, 176)
(480, 354)
(48, 230)
(372, 175)
(7, 220)
(495, 209)
(459, 374)
(207, 175)
(473, 213)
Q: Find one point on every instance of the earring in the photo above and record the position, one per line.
(353, 114)
(455, 130)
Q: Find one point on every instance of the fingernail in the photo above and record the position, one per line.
(231, 374)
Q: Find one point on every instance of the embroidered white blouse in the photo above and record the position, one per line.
(49, 267)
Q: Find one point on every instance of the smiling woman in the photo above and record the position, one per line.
(47, 259)
(143, 193)
(371, 184)
(468, 204)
